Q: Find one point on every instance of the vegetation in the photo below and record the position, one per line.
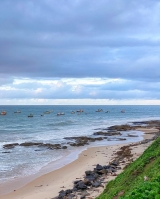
(140, 180)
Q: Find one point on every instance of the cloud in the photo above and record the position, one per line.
(79, 49)
(78, 39)
(88, 88)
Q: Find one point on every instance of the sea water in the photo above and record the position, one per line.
(50, 128)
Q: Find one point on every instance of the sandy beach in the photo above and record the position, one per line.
(48, 186)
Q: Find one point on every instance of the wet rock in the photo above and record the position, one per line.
(115, 139)
(82, 140)
(131, 135)
(121, 138)
(38, 150)
(38, 144)
(107, 133)
(64, 147)
(52, 146)
(125, 127)
(41, 144)
(27, 144)
(10, 146)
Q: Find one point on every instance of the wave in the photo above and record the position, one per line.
(62, 123)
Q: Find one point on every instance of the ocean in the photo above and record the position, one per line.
(51, 128)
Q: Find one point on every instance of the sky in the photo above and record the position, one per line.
(79, 52)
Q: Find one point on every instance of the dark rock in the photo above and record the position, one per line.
(82, 140)
(113, 167)
(121, 138)
(74, 189)
(91, 175)
(27, 144)
(10, 146)
(76, 181)
(70, 196)
(62, 193)
(64, 147)
(37, 150)
(107, 133)
(84, 194)
(107, 167)
(131, 135)
(103, 171)
(125, 127)
(114, 163)
(88, 172)
(87, 182)
(68, 191)
(52, 146)
(81, 185)
(99, 167)
(96, 184)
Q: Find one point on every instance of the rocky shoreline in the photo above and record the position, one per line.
(96, 178)
(87, 176)
(110, 133)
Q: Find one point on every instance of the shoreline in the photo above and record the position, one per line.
(70, 156)
(48, 185)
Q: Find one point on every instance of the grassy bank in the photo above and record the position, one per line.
(141, 179)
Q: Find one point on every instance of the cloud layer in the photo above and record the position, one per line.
(115, 45)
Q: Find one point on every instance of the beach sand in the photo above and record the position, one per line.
(48, 186)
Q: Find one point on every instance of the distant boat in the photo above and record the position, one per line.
(30, 115)
(80, 111)
(99, 110)
(58, 114)
(122, 111)
(47, 112)
(3, 113)
(17, 112)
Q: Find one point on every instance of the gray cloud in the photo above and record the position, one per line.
(52, 39)
(79, 38)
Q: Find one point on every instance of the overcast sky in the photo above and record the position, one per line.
(79, 52)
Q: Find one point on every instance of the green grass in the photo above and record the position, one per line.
(130, 183)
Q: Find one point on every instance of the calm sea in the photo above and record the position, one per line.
(50, 128)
